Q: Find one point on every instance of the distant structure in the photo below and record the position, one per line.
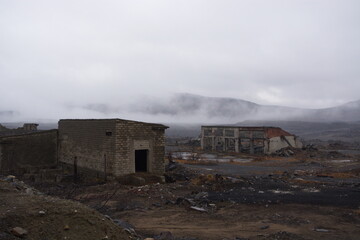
(30, 126)
(254, 140)
(26, 128)
(112, 147)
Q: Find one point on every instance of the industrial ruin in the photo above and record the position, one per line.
(262, 140)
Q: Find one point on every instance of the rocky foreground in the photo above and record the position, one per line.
(27, 213)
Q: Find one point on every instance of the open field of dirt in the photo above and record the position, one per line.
(309, 195)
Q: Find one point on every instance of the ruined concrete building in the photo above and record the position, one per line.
(30, 126)
(107, 147)
(263, 140)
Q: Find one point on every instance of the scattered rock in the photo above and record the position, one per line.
(124, 224)
(198, 209)
(321, 230)
(10, 178)
(282, 235)
(19, 232)
(90, 222)
(66, 227)
(284, 152)
(201, 195)
(164, 236)
(29, 191)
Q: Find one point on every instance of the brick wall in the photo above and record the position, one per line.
(17, 153)
(90, 142)
(131, 136)
(87, 140)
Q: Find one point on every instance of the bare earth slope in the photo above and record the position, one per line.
(45, 217)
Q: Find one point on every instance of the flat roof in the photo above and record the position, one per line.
(116, 120)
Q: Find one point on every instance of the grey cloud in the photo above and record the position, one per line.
(101, 56)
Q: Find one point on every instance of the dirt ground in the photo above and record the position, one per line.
(296, 197)
(44, 217)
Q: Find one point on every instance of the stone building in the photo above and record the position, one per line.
(263, 140)
(112, 147)
(30, 126)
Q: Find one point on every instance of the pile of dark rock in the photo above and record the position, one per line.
(197, 201)
(20, 185)
(310, 147)
(284, 152)
(176, 172)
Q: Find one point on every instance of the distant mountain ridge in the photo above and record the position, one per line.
(190, 108)
(230, 110)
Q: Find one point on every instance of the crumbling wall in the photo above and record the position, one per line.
(280, 142)
(87, 145)
(233, 139)
(246, 139)
(20, 152)
(131, 136)
(220, 139)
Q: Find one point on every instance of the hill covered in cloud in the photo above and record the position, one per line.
(195, 108)
(190, 108)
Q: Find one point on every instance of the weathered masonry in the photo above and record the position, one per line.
(262, 140)
(113, 147)
(20, 153)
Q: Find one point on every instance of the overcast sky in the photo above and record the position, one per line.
(58, 55)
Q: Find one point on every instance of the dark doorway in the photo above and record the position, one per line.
(141, 160)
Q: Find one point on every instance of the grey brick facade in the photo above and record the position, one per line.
(110, 145)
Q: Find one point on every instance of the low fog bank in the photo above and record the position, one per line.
(189, 108)
(185, 113)
(325, 131)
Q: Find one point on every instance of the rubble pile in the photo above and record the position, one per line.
(196, 201)
(284, 152)
(20, 186)
(177, 172)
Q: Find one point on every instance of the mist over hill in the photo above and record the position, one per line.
(185, 113)
(190, 108)
(194, 108)
(7, 113)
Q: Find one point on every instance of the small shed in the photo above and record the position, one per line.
(112, 147)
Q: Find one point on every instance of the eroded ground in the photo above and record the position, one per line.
(26, 213)
(295, 197)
